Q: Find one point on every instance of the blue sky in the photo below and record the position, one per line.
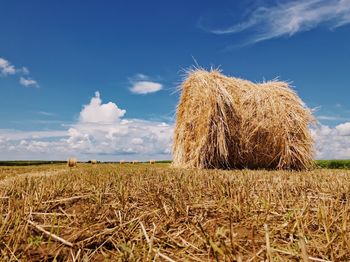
(55, 56)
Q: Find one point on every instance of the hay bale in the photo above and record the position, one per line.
(72, 162)
(122, 162)
(135, 162)
(93, 161)
(225, 122)
(152, 162)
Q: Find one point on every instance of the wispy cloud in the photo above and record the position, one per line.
(141, 85)
(289, 18)
(44, 113)
(24, 70)
(331, 118)
(7, 68)
(28, 82)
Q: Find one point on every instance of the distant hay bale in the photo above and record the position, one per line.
(72, 162)
(94, 162)
(122, 162)
(152, 162)
(135, 162)
(226, 122)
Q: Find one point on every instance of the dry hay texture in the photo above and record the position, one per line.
(226, 122)
(72, 162)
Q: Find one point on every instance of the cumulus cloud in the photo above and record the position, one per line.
(332, 143)
(288, 18)
(101, 132)
(28, 82)
(96, 112)
(141, 85)
(6, 68)
(343, 129)
(127, 139)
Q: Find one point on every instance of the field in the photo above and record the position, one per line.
(149, 212)
(28, 163)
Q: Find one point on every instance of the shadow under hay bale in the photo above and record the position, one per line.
(225, 122)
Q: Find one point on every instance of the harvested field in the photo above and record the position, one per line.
(12, 171)
(154, 212)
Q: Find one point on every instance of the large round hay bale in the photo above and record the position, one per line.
(93, 161)
(225, 122)
(72, 162)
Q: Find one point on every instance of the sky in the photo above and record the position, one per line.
(99, 79)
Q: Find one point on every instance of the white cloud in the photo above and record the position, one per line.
(128, 138)
(96, 112)
(145, 87)
(44, 113)
(28, 82)
(25, 70)
(101, 133)
(288, 18)
(141, 77)
(6, 68)
(102, 130)
(12, 135)
(332, 143)
(333, 118)
(343, 129)
(137, 141)
(141, 85)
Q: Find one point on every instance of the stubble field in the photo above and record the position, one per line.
(143, 212)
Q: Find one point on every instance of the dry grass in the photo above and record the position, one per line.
(12, 171)
(225, 122)
(153, 212)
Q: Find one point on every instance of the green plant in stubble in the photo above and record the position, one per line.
(35, 240)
